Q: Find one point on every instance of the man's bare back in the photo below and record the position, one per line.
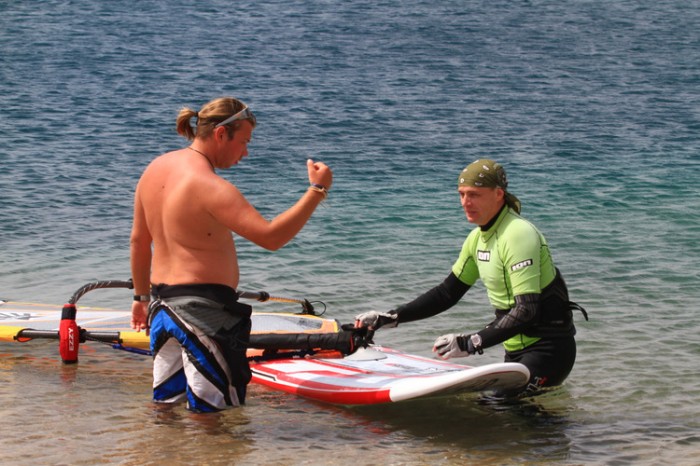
(190, 244)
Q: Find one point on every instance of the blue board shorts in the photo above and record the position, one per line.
(199, 352)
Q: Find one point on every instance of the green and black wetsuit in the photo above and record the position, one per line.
(533, 312)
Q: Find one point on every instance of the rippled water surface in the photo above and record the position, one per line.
(592, 106)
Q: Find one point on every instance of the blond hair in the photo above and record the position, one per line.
(208, 117)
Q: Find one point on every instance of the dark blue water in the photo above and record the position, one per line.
(593, 107)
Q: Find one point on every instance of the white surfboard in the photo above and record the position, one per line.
(383, 375)
(48, 316)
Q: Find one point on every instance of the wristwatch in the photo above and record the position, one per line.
(144, 298)
(476, 343)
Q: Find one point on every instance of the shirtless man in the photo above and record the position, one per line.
(183, 257)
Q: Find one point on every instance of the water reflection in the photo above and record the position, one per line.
(465, 425)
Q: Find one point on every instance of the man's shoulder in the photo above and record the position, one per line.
(512, 218)
(516, 227)
(161, 162)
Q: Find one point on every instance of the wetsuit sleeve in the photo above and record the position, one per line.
(521, 249)
(517, 320)
(433, 302)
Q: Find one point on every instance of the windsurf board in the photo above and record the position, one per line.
(377, 374)
(371, 375)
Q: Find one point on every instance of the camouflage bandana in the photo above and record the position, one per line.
(485, 173)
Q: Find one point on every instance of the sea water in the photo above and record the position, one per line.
(593, 107)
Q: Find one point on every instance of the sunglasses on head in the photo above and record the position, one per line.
(244, 114)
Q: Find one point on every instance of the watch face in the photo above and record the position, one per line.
(476, 340)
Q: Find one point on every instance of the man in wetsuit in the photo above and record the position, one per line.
(510, 256)
(183, 257)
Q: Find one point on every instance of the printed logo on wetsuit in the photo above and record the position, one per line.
(483, 256)
(521, 265)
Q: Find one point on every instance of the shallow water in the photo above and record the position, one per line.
(593, 108)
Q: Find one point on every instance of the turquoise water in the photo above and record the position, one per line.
(592, 106)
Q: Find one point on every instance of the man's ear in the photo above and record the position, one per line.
(500, 194)
(220, 134)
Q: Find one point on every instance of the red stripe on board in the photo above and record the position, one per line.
(325, 392)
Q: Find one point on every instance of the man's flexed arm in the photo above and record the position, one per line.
(231, 209)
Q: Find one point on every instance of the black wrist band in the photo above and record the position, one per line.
(144, 298)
